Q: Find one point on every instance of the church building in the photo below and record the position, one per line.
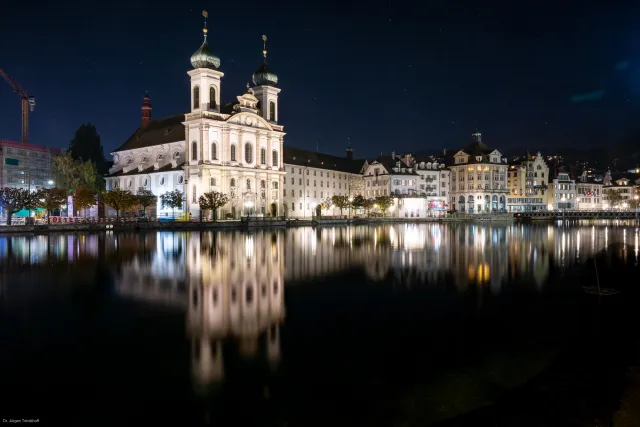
(235, 148)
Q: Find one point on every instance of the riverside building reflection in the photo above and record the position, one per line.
(229, 284)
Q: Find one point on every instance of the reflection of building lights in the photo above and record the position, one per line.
(248, 246)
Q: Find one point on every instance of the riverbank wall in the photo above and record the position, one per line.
(244, 224)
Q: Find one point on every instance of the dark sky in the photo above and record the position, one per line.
(391, 75)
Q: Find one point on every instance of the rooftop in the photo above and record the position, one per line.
(300, 157)
(157, 131)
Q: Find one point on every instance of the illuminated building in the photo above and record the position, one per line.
(478, 179)
(562, 193)
(233, 148)
(527, 181)
(314, 177)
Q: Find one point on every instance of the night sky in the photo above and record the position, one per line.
(390, 75)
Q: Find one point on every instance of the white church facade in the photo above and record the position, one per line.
(235, 149)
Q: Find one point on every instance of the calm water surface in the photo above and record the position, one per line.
(364, 325)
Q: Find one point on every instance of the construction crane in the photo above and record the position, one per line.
(28, 104)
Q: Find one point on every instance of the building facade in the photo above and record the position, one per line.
(314, 177)
(26, 166)
(235, 149)
(562, 193)
(478, 179)
(527, 181)
(589, 194)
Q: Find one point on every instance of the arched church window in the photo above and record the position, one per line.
(214, 151)
(274, 158)
(263, 156)
(275, 185)
(248, 155)
(196, 97)
(194, 150)
(272, 111)
(233, 153)
(212, 97)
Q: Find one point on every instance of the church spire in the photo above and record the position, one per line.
(204, 30)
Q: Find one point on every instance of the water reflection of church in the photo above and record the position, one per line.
(231, 285)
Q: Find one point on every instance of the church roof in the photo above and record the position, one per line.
(157, 131)
(300, 157)
(166, 168)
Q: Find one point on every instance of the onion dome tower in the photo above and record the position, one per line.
(265, 81)
(204, 57)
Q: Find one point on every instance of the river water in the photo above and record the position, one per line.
(368, 325)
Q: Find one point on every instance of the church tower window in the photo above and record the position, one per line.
(248, 154)
(214, 151)
(272, 111)
(233, 153)
(194, 197)
(212, 97)
(263, 156)
(194, 150)
(196, 97)
(274, 158)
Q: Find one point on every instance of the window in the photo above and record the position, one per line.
(274, 158)
(293, 180)
(233, 153)
(248, 184)
(161, 181)
(212, 97)
(263, 184)
(196, 97)
(194, 150)
(272, 111)
(214, 151)
(248, 154)
(212, 181)
(263, 156)
(275, 185)
(293, 193)
(232, 183)
(146, 182)
(180, 179)
(129, 183)
(299, 181)
(194, 196)
(293, 206)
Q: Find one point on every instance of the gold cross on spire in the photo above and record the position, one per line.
(204, 30)
(264, 48)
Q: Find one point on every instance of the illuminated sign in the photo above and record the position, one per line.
(12, 162)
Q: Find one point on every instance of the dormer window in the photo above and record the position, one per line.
(159, 157)
(144, 159)
(176, 155)
(129, 161)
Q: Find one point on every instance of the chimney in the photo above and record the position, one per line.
(146, 111)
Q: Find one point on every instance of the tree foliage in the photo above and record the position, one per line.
(384, 203)
(614, 197)
(119, 200)
(86, 147)
(358, 202)
(52, 199)
(341, 202)
(71, 174)
(211, 201)
(145, 198)
(13, 200)
(83, 198)
(327, 203)
(172, 199)
(367, 204)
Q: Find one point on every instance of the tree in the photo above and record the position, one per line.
(367, 204)
(71, 174)
(145, 198)
(614, 197)
(119, 200)
(13, 200)
(86, 147)
(327, 204)
(52, 199)
(357, 203)
(83, 198)
(211, 201)
(172, 199)
(384, 203)
(341, 202)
